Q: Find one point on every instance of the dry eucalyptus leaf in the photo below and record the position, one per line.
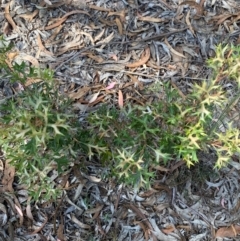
(229, 232)
(79, 93)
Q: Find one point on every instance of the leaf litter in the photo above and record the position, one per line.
(105, 51)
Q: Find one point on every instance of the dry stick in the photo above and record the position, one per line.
(142, 40)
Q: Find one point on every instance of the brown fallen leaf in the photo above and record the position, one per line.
(31, 59)
(41, 47)
(31, 81)
(29, 16)
(60, 231)
(142, 61)
(29, 210)
(223, 18)
(120, 99)
(169, 229)
(7, 29)
(148, 193)
(137, 84)
(10, 57)
(198, 7)
(79, 223)
(236, 18)
(150, 19)
(7, 181)
(99, 35)
(147, 224)
(41, 227)
(144, 228)
(119, 25)
(79, 94)
(54, 25)
(8, 176)
(121, 14)
(54, 35)
(160, 168)
(172, 49)
(189, 23)
(97, 210)
(64, 18)
(8, 16)
(230, 232)
(107, 22)
(107, 39)
(98, 59)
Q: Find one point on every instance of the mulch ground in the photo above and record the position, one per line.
(108, 52)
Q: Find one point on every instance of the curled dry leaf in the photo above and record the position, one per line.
(31, 59)
(64, 18)
(145, 221)
(29, 16)
(223, 18)
(144, 228)
(41, 227)
(99, 35)
(54, 25)
(8, 16)
(107, 39)
(173, 50)
(142, 61)
(79, 223)
(41, 47)
(169, 229)
(189, 23)
(89, 36)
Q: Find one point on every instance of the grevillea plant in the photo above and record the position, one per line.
(40, 136)
(135, 139)
(36, 129)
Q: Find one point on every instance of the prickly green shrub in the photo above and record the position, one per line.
(40, 136)
(37, 137)
(134, 140)
(37, 129)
